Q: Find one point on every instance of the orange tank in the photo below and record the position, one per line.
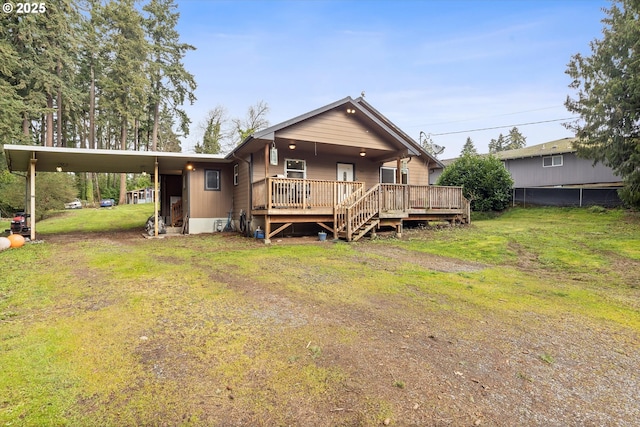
(16, 240)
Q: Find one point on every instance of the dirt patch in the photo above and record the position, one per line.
(424, 260)
(401, 360)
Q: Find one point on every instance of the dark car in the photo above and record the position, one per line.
(107, 203)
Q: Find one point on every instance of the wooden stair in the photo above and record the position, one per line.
(365, 228)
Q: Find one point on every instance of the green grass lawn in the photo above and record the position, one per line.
(221, 329)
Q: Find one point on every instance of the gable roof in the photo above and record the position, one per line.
(560, 146)
(368, 115)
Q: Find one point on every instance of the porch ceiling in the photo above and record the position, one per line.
(339, 151)
(101, 161)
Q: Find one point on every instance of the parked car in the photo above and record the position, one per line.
(76, 204)
(107, 203)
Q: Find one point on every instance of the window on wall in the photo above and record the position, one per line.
(551, 161)
(212, 179)
(295, 168)
(387, 175)
(236, 173)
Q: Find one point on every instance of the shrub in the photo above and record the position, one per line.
(484, 179)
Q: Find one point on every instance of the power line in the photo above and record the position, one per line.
(502, 127)
(488, 117)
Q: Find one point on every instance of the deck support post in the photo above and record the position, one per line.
(267, 229)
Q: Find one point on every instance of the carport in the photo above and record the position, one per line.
(31, 159)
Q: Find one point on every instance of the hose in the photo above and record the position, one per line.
(243, 221)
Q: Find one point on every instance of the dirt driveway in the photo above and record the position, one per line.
(430, 367)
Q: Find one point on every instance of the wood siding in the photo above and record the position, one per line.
(335, 127)
(321, 165)
(207, 203)
(418, 170)
(241, 191)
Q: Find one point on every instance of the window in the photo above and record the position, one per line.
(551, 161)
(388, 176)
(295, 168)
(235, 174)
(212, 179)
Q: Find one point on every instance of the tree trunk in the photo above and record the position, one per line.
(60, 137)
(48, 142)
(136, 139)
(25, 125)
(123, 176)
(154, 135)
(92, 110)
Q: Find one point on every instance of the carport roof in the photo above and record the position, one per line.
(49, 159)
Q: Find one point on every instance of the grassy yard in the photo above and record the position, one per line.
(531, 318)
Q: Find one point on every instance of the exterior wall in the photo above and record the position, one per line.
(529, 172)
(334, 127)
(321, 165)
(418, 171)
(241, 191)
(207, 207)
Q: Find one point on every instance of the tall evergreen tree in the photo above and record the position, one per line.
(12, 105)
(512, 141)
(608, 97)
(170, 82)
(213, 134)
(125, 85)
(469, 148)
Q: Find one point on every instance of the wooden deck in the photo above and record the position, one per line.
(347, 210)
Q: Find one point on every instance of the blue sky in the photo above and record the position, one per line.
(433, 65)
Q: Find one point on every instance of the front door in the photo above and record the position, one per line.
(345, 172)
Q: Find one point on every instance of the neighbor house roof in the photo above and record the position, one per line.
(367, 114)
(560, 146)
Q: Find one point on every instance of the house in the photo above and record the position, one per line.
(343, 168)
(555, 164)
(553, 174)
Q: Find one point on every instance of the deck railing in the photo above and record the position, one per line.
(353, 207)
(394, 198)
(435, 197)
(360, 211)
(292, 193)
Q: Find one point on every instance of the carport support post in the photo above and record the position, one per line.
(155, 199)
(32, 198)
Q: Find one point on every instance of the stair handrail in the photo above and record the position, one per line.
(340, 211)
(362, 210)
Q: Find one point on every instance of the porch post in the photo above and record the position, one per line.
(266, 160)
(398, 170)
(32, 198)
(155, 198)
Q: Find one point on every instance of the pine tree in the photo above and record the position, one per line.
(469, 149)
(213, 135)
(125, 85)
(171, 84)
(608, 97)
